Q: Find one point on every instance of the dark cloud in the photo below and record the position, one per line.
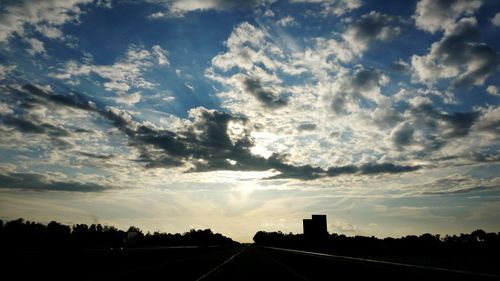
(386, 117)
(24, 126)
(390, 168)
(72, 99)
(95, 155)
(403, 135)
(267, 98)
(37, 181)
(335, 171)
(308, 172)
(33, 126)
(459, 50)
(458, 124)
(307, 127)
(365, 79)
(435, 126)
(205, 144)
(373, 26)
(354, 87)
(472, 189)
(339, 102)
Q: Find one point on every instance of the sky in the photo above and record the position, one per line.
(242, 116)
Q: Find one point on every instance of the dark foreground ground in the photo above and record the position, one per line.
(217, 263)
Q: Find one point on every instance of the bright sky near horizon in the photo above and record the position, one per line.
(251, 115)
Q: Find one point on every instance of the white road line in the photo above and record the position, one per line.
(220, 265)
(384, 262)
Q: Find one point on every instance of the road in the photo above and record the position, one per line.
(261, 263)
(234, 263)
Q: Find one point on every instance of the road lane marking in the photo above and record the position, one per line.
(384, 262)
(221, 265)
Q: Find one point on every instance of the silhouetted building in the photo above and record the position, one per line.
(315, 228)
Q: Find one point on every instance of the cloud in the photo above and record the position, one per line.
(362, 84)
(434, 15)
(267, 98)
(333, 7)
(253, 61)
(178, 8)
(269, 13)
(129, 99)
(496, 20)
(357, 37)
(402, 134)
(49, 32)
(429, 128)
(126, 74)
(28, 126)
(36, 181)
(95, 155)
(287, 21)
(5, 70)
(493, 90)
(307, 127)
(36, 46)
(377, 168)
(161, 55)
(489, 121)
(241, 44)
(205, 143)
(308, 172)
(457, 56)
(371, 27)
(45, 16)
(459, 184)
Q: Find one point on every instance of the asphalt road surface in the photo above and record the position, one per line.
(261, 263)
(233, 263)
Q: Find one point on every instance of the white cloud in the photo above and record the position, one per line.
(5, 70)
(157, 15)
(334, 7)
(178, 8)
(5, 109)
(457, 56)
(128, 99)
(46, 16)
(287, 21)
(493, 90)
(49, 31)
(489, 122)
(242, 44)
(496, 20)
(161, 55)
(370, 27)
(269, 13)
(256, 88)
(126, 73)
(434, 15)
(36, 46)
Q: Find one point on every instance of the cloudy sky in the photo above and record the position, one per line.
(251, 115)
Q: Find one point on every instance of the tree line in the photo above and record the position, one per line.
(476, 243)
(21, 234)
